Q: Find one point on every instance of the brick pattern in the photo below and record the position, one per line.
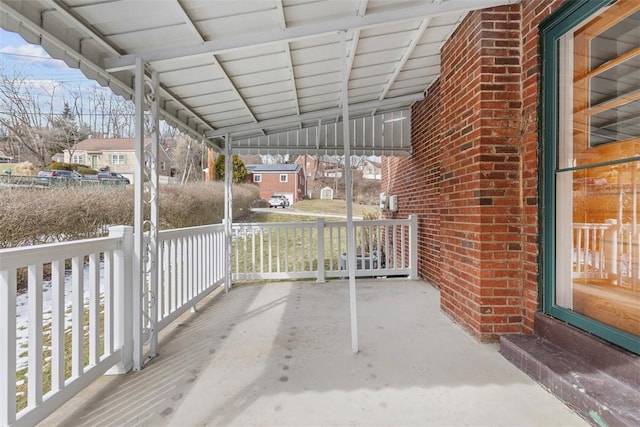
(416, 182)
(533, 12)
(480, 206)
(472, 178)
(270, 184)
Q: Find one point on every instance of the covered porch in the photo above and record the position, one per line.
(295, 77)
(279, 354)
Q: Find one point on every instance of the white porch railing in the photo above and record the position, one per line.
(80, 337)
(191, 263)
(318, 249)
(87, 329)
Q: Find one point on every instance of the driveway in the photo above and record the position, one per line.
(294, 211)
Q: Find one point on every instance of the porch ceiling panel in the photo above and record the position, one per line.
(247, 68)
(185, 76)
(305, 12)
(423, 61)
(234, 25)
(261, 78)
(373, 70)
(319, 90)
(265, 62)
(219, 107)
(262, 90)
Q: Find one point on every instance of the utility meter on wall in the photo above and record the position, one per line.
(383, 201)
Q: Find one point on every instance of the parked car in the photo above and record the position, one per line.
(59, 176)
(113, 176)
(278, 200)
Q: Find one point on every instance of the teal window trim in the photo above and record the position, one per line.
(567, 17)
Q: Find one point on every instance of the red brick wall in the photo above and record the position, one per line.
(416, 181)
(533, 12)
(472, 177)
(480, 207)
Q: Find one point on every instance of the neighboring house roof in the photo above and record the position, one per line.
(107, 144)
(93, 145)
(330, 159)
(273, 168)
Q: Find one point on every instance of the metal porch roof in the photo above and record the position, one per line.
(255, 68)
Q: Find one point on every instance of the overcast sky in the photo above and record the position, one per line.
(31, 63)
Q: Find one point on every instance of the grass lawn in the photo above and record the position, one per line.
(334, 207)
(314, 206)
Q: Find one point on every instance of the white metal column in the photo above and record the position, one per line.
(138, 220)
(152, 192)
(228, 208)
(145, 275)
(7, 346)
(351, 240)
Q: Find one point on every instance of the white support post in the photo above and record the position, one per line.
(320, 233)
(228, 208)
(138, 220)
(153, 192)
(77, 316)
(35, 335)
(413, 247)
(8, 346)
(57, 326)
(123, 309)
(351, 244)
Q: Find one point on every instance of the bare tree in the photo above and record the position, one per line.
(21, 114)
(66, 131)
(106, 114)
(188, 157)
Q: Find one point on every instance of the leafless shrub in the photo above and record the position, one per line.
(32, 216)
(25, 169)
(201, 203)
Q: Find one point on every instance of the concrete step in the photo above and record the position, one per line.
(599, 395)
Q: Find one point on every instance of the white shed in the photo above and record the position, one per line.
(326, 193)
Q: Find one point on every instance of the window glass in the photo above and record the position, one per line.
(597, 178)
(284, 178)
(117, 159)
(257, 178)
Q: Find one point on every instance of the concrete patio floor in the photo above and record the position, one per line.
(279, 354)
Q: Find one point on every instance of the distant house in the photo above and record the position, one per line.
(320, 166)
(287, 179)
(371, 170)
(116, 155)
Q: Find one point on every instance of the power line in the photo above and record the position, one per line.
(43, 58)
(81, 114)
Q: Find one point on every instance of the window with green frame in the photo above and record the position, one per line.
(590, 131)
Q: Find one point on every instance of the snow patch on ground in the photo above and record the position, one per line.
(22, 313)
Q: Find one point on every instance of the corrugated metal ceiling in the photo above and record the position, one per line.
(253, 67)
